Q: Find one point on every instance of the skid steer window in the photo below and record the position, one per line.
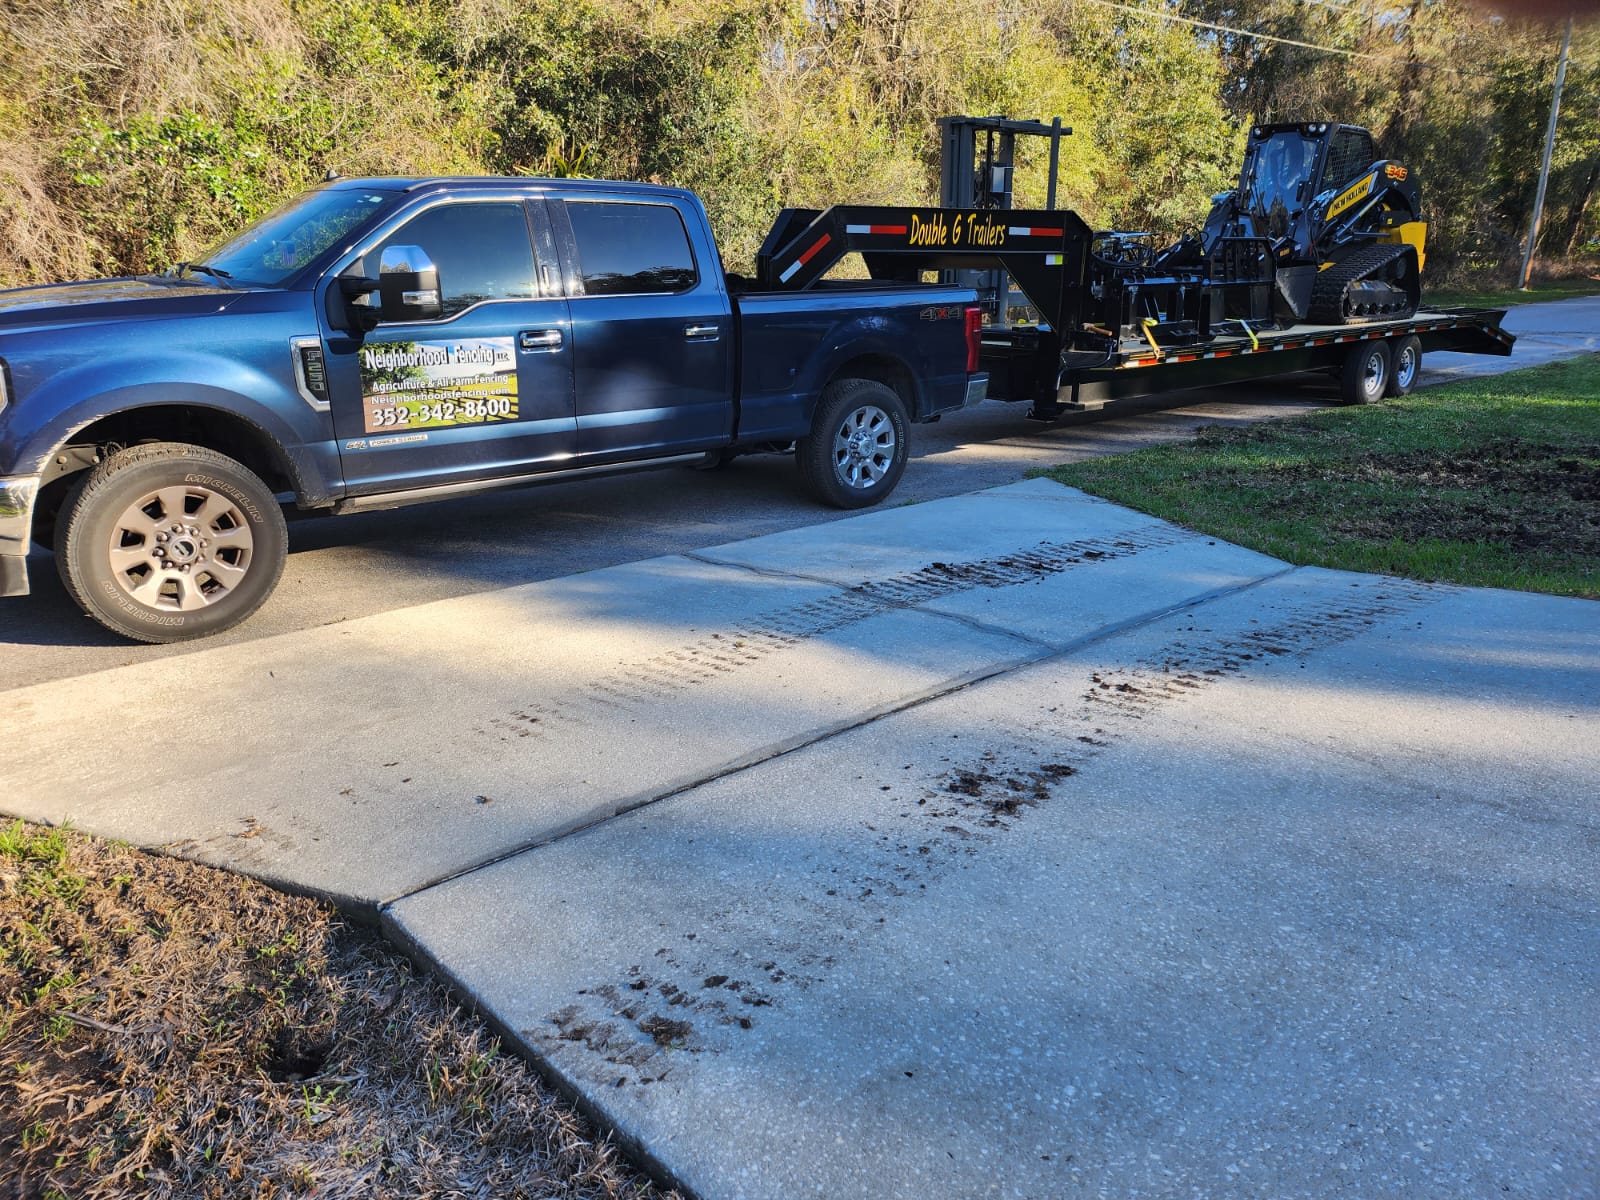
(1283, 162)
(1352, 153)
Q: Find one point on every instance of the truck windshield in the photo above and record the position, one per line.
(1282, 162)
(291, 237)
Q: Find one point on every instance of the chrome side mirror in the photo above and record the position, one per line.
(408, 285)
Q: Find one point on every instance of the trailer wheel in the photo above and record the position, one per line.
(856, 450)
(1364, 377)
(166, 542)
(1405, 365)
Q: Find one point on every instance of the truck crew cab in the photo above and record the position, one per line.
(379, 342)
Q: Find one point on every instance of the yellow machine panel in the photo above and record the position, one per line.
(1412, 233)
(1351, 196)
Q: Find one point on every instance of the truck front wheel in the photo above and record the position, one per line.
(856, 451)
(166, 542)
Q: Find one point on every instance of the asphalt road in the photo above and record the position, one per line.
(358, 565)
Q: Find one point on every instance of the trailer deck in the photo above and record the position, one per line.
(1141, 367)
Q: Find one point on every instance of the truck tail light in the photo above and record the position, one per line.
(974, 337)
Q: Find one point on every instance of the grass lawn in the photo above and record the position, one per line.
(1492, 482)
(167, 1030)
(1564, 289)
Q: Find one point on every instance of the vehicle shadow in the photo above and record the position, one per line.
(46, 616)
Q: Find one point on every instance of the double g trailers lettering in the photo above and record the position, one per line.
(984, 230)
(957, 229)
(805, 245)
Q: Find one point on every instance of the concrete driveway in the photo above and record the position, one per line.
(1009, 844)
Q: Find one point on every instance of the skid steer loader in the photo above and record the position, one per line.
(1342, 228)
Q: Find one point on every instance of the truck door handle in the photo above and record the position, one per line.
(540, 339)
(702, 333)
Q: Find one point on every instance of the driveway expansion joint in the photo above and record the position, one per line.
(816, 737)
(978, 626)
(711, 560)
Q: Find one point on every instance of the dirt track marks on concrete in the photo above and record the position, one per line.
(712, 983)
(714, 655)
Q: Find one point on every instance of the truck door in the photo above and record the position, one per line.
(485, 390)
(652, 330)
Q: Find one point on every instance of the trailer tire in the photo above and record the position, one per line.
(166, 542)
(857, 448)
(1364, 376)
(1405, 364)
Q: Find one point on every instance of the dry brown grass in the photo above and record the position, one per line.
(39, 241)
(61, 62)
(149, 56)
(171, 1030)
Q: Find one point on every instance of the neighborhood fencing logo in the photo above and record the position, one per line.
(436, 385)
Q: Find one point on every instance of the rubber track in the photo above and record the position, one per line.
(1327, 295)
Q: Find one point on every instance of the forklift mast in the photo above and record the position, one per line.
(977, 162)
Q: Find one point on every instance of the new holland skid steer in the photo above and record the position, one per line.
(1311, 264)
(1342, 228)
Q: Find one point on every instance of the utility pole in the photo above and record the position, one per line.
(1549, 149)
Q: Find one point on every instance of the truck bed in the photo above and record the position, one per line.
(792, 342)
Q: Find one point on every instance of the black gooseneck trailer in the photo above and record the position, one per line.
(1102, 321)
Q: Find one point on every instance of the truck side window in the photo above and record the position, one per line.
(482, 251)
(625, 249)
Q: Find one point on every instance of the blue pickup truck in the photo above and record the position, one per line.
(380, 342)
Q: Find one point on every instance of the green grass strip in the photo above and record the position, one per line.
(1490, 482)
(1501, 297)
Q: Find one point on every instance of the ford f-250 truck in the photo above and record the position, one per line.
(379, 342)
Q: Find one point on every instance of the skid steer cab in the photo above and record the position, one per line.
(1342, 224)
(1345, 223)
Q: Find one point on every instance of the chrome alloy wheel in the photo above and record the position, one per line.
(864, 446)
(180, 548)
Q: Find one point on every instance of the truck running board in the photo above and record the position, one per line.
(446, 491)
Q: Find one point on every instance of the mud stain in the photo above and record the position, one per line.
(714, 982)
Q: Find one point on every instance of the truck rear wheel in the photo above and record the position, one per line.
(857, 448)
(1365, 375)
(167, 542)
